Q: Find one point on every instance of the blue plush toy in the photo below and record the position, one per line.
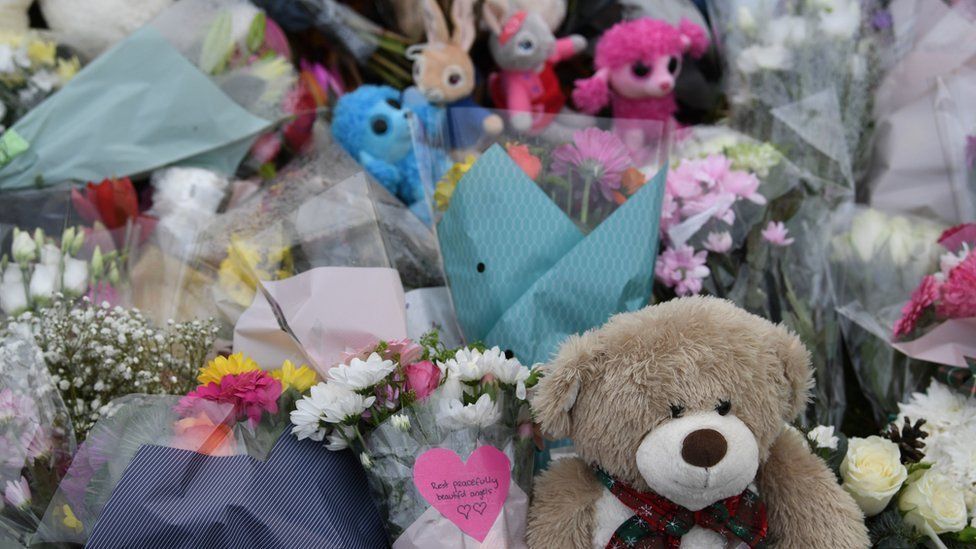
(371, 124)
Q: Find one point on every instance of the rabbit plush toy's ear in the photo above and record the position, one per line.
(494, 13)
(462, 15)
(434, 23)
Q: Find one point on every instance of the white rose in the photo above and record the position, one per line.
(872, 472)
(75, 278)
(823, 437)
(933, 501)
(13, 295)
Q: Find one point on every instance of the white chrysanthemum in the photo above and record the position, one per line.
(453, 414)
(511, 372)
(361, 374)
(336, 442)
(823, 437)
(400, 422)
(941, 408)
(467, 365)
(307, 418)
(327, 403)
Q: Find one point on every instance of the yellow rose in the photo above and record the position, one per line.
(872, 472)
(933, 501)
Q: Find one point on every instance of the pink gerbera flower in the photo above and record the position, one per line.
(251, 393)
(682, 268)
(958, 298)
(922, 298)
(594, 153)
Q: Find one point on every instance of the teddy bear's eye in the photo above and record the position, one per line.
(724, 407)
(379, 125)
(640, 70)
(673, 65)
(677, 410)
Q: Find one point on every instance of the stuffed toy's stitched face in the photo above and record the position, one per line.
(522, 42)
(372, 120)
(646, 78)
(683, 398)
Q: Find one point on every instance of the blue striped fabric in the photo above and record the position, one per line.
(302, 496)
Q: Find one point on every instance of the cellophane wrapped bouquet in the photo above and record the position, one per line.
(802, 75)
(444, 435)
(914, 480)
(741, 222)
(32, 67)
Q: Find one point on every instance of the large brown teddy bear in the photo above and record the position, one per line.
(679, 415)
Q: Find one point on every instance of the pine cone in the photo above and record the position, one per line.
(909, 440)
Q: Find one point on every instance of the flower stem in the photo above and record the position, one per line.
(586, 199)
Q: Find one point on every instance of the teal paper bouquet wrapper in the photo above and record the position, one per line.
(524, 277)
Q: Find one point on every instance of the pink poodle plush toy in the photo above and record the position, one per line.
(637, 64)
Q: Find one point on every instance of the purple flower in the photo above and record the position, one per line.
(682, 268)
(971, 151)
(882, 20)
(777, 234)
(594, 153)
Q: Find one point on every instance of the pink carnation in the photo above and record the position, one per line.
(922, 298)
(682, 268)
(251, 394)
(959, 290)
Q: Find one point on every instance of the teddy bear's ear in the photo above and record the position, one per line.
(795, 359)
(560, 385)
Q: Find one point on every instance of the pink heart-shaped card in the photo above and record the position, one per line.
(469, 494)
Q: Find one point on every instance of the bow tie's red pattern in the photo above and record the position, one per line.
(660, 523)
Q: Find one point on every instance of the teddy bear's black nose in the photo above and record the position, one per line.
(704, 448)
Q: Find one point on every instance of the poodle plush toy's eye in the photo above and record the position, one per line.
(526, 44)
(640, 70)
(677, 410)
(393, 103)
(674, 64)
(724, 407)
(379, 125)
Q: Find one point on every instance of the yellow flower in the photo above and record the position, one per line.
(300, 378)
(447, 184)
(219, 367)
(41, 52)
(70, 520)
(68, 68)
(245, 265)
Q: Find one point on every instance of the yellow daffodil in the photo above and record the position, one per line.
(299, 378)
(447, 184)
(70, 520)
(225, 366)
(41, 52)
(68, 68)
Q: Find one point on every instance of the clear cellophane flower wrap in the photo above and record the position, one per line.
(35, 434)
(956, 118)
(743, 223)
(802, 75)
(320, 211)
(410, 519)
(876, 261)
(44, 66)
(587, 165)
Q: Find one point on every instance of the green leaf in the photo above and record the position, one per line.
(218, 45)
(255, 34)
(916, 467)
(967, 535)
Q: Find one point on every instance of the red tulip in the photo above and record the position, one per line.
(112, 203)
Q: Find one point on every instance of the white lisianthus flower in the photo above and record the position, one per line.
(823, 437)
(50, 254)
(400, 422)
(467, 365)
(74, 281)
(23, 248)
(933, 501)
(872, 472)
(44, 282)
(362, 374)
(13, 294)
(772, 58)
(455, 415)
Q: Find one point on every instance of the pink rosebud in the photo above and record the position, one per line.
(525, 431)
(422, 378)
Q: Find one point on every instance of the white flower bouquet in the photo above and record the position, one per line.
(444, 435)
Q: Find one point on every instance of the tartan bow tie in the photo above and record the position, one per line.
(660, 523)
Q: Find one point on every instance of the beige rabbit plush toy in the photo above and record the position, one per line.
(444, 76)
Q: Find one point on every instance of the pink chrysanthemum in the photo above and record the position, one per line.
(682, 269)
(777, 234)
(251, 393)
(958, 298)
(922, 298)
(594, 153)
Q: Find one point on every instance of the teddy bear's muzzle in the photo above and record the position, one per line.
(704, 448)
